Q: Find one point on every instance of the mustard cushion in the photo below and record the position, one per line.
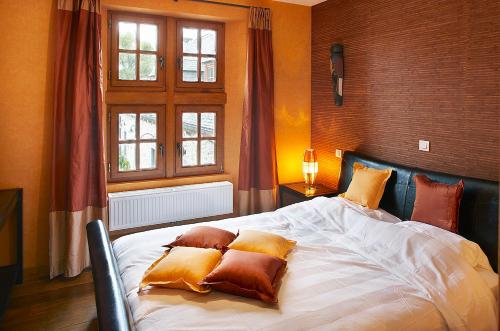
(182, 268)
(262, 242)
(367, 185)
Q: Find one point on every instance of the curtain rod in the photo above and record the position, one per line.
(220, 3)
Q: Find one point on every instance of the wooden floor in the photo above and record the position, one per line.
(61, 304)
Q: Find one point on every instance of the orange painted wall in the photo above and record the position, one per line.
(26, 103)
(26, 115)
(292, 72)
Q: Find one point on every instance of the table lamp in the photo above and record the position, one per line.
(310, 167)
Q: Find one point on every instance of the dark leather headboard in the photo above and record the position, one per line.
(478, 220)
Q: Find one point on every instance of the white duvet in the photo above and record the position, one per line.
(352, 269)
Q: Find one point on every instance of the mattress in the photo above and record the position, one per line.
(352, 269)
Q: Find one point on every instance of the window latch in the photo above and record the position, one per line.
(162, 150)
(162, 62)
(180, 150)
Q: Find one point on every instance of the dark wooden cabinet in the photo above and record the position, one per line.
(298, 192)
(11, 207)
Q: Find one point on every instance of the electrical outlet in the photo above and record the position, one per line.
(424, 145)
(338, 153)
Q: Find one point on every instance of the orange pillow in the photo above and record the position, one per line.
(437, 203)
(262, 242)
(182, 268)
(367, 185)
(204, 237)
(248, 274)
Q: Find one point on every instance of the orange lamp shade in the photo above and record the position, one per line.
(310, 166)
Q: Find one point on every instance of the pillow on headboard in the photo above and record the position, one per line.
(437, 203)
(367, 185)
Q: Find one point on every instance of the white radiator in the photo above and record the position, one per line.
(170, 204)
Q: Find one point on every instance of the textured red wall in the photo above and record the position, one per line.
(414, 70)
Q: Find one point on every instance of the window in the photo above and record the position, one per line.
(137, 51)
(199, 139)
(200, 54)
(152, 133)
(137, 145)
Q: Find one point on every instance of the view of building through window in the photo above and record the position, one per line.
(130, 140)
(207, 129)
(192, 40)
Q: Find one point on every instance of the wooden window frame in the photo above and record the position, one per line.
(153, 96)
(218, 167)
(116, 84)
(218, 85)
(159, 172)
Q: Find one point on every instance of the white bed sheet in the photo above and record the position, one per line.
(348, 272)
(378, 214)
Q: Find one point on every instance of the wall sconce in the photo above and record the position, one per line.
(310, 167)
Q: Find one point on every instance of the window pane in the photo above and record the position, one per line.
(189, 153)
(189, 40)
(127, 35)
(208, 69)
(189, 125)
(147, 67)
(207, 152)
(149, 37)
(126, 157)
(208, 41)
(126, 127)
(126, 66)
(148, 155)
(147, 126)
(190, 69)
(207, 125)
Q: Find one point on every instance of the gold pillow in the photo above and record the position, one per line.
(262, 242)
(367, 185)
(182, 268)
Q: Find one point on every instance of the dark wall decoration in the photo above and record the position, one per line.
(416, 70)
(337, 71)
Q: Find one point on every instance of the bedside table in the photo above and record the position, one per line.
(298, 192)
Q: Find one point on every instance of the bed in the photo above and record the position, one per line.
(353, 268)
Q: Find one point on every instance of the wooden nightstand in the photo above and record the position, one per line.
(298, 192)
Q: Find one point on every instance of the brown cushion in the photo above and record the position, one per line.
(249, 274)
(437, 203)
(204, 237)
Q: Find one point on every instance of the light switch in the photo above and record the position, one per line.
(338, 153)
(424, 145)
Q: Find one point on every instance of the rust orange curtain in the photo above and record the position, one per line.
(78, 191)
(258, 177)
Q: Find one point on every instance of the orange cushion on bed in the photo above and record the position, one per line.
(262, 242)
(182, 268)
(437, 203)
(204, 237)
(367, 185)
(248, 274)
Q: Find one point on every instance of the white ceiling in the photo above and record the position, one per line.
(302, 2)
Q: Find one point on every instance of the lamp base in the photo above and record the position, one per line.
(310, 189)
